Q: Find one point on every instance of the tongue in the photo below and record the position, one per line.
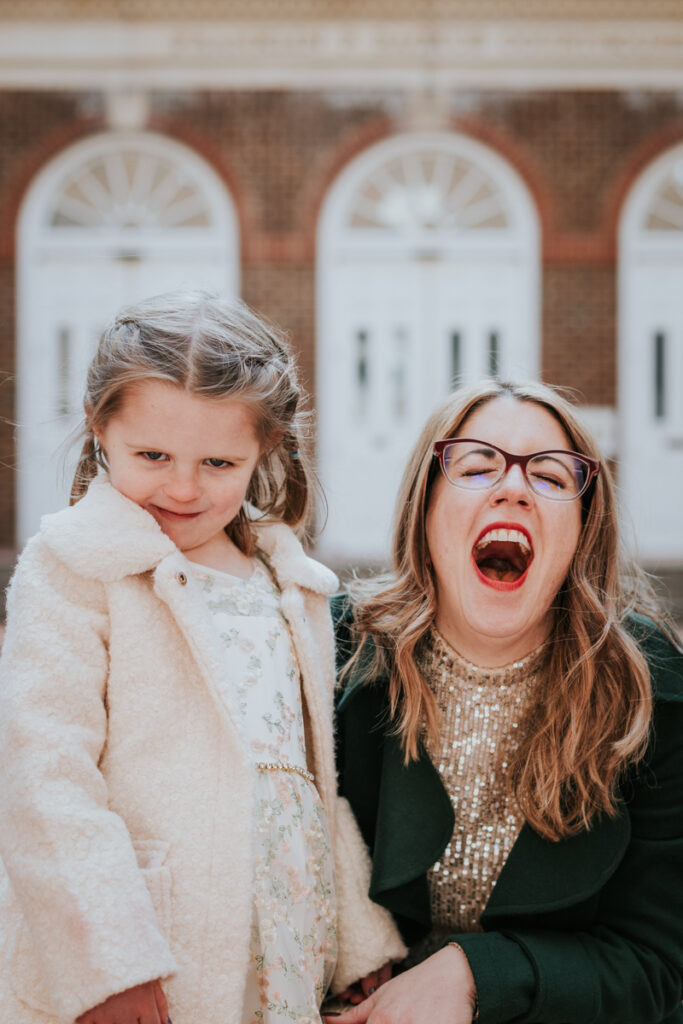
(501, 560)
(499, 569)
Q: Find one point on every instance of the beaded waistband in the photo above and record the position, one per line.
(285, 766)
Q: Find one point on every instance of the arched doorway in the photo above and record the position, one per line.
(651, 358)
(114, 218)
(428, 275)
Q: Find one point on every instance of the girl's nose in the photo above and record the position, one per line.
(183, 486)
(513, 487)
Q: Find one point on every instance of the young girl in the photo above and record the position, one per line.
(168, 819)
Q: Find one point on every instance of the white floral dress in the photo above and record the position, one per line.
(293, 942)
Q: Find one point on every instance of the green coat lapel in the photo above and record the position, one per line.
(415, 822)
(540, 876)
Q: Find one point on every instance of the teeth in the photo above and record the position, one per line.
(511, 536)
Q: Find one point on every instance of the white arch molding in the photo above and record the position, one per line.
(428, 275)
(112, 219)
(651, 358)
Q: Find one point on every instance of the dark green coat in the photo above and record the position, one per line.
(588, 930)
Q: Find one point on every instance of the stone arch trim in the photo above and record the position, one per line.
(523, 162)
(202, 144)
(352, 145)
(34, 161)
(633, 167)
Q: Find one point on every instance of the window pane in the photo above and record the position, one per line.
(63, 371)
(456, 358)
(660, 366)
(494, 354)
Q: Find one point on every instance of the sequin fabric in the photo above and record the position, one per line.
(481, 714)
(293, 940)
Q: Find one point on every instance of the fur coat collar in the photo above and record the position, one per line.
(134, 543)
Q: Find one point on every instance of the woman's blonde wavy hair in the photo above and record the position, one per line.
(595, 718)
(215, 348)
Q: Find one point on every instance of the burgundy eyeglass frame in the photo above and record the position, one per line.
(518, 460)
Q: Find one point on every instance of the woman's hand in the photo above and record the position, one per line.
(144, 1004)
(440, 990)
(360, 990)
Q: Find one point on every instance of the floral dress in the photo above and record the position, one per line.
(293, 940)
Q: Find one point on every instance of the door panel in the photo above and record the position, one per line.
(652, 462)
(402, 330)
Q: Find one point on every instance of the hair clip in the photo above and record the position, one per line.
(294, 455)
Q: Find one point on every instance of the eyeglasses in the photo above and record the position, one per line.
(478, 465)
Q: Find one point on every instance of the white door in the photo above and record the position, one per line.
(651, 361)
(428, 276)
(119, 218)
(374, 384)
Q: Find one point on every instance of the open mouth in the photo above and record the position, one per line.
(503, 555)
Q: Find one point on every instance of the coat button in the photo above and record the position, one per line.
(181, 578)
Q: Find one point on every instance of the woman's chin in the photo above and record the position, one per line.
(499, 623)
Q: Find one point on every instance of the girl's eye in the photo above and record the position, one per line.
(218, 463)
(154, 456)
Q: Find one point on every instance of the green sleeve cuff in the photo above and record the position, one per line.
(503, 974)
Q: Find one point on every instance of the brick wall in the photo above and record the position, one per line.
(278, 152)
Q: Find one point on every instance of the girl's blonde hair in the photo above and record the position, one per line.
(594, 718)
(214, 348)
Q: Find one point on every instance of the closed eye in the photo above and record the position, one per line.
(478, 472)
(549, 481)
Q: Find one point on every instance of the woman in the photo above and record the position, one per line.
(511, 734)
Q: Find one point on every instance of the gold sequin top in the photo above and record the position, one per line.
(481, 713)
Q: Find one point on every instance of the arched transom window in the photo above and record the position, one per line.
(114, 218)
(651, 358)
(428, 192)
(427, 277)
(130, 187)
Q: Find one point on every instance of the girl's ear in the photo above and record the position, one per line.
(96, 432)
(87, 409)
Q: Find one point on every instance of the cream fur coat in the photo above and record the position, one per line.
(125, 789)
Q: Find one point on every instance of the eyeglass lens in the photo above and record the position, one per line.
(557, 475)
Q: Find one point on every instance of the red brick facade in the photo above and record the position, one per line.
(278, 153)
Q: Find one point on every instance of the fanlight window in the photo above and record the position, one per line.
(665, 211)
(428, 191)
(130, 188)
